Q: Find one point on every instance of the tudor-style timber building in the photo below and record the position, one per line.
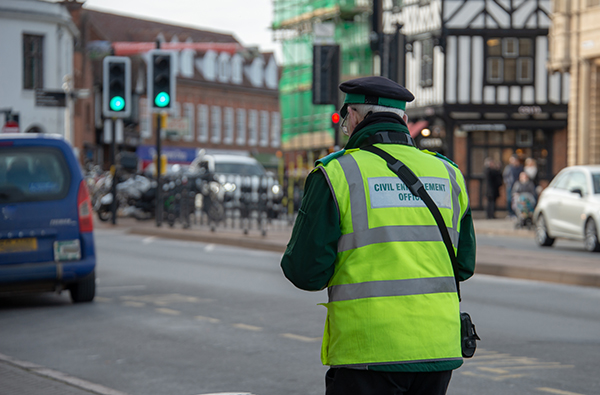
(478, 72)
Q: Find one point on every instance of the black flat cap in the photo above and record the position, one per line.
(375, 90)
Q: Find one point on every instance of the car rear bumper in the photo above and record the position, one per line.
(57, 272)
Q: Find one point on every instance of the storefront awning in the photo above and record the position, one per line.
(415, 127)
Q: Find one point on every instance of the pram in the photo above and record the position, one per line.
(523, 204)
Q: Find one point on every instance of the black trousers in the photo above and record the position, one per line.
(342, 381)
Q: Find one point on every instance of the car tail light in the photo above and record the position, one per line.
(84, 208)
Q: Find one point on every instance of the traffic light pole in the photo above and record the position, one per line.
(159, 205)
(113, 187)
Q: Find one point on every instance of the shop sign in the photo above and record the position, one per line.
(530, 110)
(487, 127)
(434, 142)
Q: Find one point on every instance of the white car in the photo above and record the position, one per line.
(569, 208)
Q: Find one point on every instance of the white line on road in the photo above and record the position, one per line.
(209, 248)
(300, 337)
(148, 240)
(208, 319)
(555, 391)
(164, 310)
(247, 327)
(123, 288)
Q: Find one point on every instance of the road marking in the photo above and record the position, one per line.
(134, 304)
(102, 299)
(123, 288)
(229, 393)
(247, 327)
(300, 337)
(209, 248)
(208, 319)
(148, 240)
(165, 299)
(497, 366)
(555, 391)
(164, 310)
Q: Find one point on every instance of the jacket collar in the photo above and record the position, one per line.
(376, 122)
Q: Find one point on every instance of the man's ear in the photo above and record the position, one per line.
(405, 118)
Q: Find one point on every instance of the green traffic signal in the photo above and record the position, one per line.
(117, 103)
(162, 99)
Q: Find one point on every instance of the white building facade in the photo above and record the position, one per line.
(37, 44)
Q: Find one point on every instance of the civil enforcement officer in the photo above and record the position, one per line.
(393, 324)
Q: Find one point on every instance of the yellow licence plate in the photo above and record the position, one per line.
(18, 245)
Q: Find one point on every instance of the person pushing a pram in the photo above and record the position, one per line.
(524, 199)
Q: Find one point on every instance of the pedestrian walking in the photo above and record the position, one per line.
(493, 182)
(511, 175)
(393, 323)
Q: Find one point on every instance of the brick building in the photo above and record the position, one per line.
(575, 47)
(227, 95)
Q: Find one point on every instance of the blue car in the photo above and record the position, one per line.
(46, 223)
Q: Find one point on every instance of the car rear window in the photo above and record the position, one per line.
(30, 174)
(596, 182)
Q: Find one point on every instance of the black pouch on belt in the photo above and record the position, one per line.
(468, 335)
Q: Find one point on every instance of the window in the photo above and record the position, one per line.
(510, 60)
(215, 117)
(241, 126)
(228, 130)
(264, 128)
(593, 3)
(275, 129)
(577, 181)
(33, 62)
(427, 63)
(33, 174)
(203, 123)
(252, 127)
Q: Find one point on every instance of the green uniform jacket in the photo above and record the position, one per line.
(309, 259)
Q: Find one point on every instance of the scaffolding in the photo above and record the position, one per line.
(306, 126)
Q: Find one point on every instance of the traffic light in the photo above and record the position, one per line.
(326, 74)
(161, 81)
(335, 120)
(116, 87)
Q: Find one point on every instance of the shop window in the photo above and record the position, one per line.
(510, 60)
(477, 159)
(33, 62)
(494, 138)
(508, 137)
(524, 138)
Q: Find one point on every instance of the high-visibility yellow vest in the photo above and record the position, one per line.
(392, 297)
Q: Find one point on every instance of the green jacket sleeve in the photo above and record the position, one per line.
(309, 259)
(466, 247)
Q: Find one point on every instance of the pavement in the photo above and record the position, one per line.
(544, 264)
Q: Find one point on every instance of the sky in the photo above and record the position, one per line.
(247, 20)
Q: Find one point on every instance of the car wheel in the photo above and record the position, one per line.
(84, 290)
(541, 232)
(591, 236)
(104, 215)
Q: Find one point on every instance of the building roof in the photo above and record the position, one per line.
(124, 28)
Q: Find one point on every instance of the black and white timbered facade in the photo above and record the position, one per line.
(478, 72)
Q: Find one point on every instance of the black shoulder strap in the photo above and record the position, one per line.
(416, 187)
(387, 137)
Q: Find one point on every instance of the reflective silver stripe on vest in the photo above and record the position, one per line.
(358, 198)
(364, 366)
(384, 234)
(363, 236)
(455, 195)
(377, 289)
